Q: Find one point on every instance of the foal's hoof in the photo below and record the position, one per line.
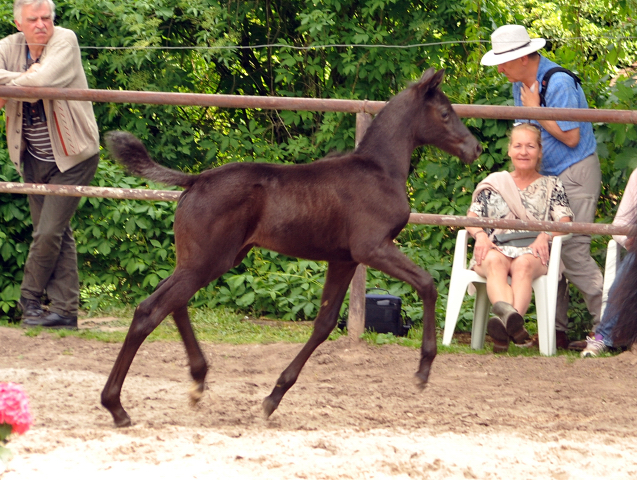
(269, 406)
(421, 380)
(195, 393)
(122, 421)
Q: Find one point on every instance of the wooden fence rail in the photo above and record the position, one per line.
(309, 104)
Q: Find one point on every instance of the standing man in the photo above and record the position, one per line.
(570, 152)
(52, 142)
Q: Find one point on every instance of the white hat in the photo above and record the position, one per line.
(510, 42)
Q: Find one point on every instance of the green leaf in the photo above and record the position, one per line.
(627, 158)
(245, 300)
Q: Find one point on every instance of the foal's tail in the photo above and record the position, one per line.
(624, 298)
(130, 152)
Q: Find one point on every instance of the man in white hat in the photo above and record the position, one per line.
(569, 152)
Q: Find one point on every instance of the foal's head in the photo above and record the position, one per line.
(434, 120)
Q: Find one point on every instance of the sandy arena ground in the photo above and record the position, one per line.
(355, 413)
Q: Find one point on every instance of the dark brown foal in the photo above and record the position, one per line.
(344, 209)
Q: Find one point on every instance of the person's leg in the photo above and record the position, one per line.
(63, 288)
(495, 268)
(52, 261)
(507, 322)
(585, 274)
(561, 312)
(33, 171)
(582, 182)
(609, 320)
(524, 270)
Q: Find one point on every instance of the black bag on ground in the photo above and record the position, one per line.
(383, 314)
(515, 239)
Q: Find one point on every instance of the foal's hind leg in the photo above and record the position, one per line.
(339, 275)
(393, 262)
(171, 296)
(196, 358)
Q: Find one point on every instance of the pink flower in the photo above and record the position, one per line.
(14, 408)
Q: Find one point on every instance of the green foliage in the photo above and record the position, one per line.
(125, 248)
(15, 236)
(319, 49)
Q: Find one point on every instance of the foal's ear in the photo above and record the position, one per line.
(431, 79)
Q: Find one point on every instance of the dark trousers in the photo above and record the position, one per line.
(51, 265)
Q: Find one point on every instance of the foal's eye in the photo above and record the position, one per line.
(444, 114)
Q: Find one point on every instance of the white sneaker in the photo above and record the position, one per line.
(593, 348)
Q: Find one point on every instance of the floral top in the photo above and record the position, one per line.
(534, 199)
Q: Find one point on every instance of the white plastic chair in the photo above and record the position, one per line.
(610, 270)
(545, 288)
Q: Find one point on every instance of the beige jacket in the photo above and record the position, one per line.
(72, 126)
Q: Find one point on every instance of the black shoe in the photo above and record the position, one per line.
(577, 345)
(52, 320)
(30, 308)
(561, 340)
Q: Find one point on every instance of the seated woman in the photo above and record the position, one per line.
(522, 194)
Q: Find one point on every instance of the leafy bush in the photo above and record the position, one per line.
(125, 247)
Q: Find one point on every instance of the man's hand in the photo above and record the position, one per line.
(530, 96)
(33, 68)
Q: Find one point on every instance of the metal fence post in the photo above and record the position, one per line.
(356, 318)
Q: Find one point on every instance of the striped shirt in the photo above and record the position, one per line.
(35, 130)
(36, 135)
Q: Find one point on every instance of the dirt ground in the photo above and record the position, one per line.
(355, 413)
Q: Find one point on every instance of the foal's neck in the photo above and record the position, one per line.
(389, 145)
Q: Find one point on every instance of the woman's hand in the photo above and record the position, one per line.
(540, 247)
(482, 246)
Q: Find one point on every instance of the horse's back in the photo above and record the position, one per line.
(310, 210)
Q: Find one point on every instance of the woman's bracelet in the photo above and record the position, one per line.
(479, 231)
(550, 234)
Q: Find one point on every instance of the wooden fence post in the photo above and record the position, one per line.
(356, 318)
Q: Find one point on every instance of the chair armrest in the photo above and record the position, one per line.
(610, 267)
(460, 252)
(556, 252)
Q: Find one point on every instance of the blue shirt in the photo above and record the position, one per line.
(561, 92)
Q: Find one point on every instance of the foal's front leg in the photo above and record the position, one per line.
(337, 280)
(393, 262)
